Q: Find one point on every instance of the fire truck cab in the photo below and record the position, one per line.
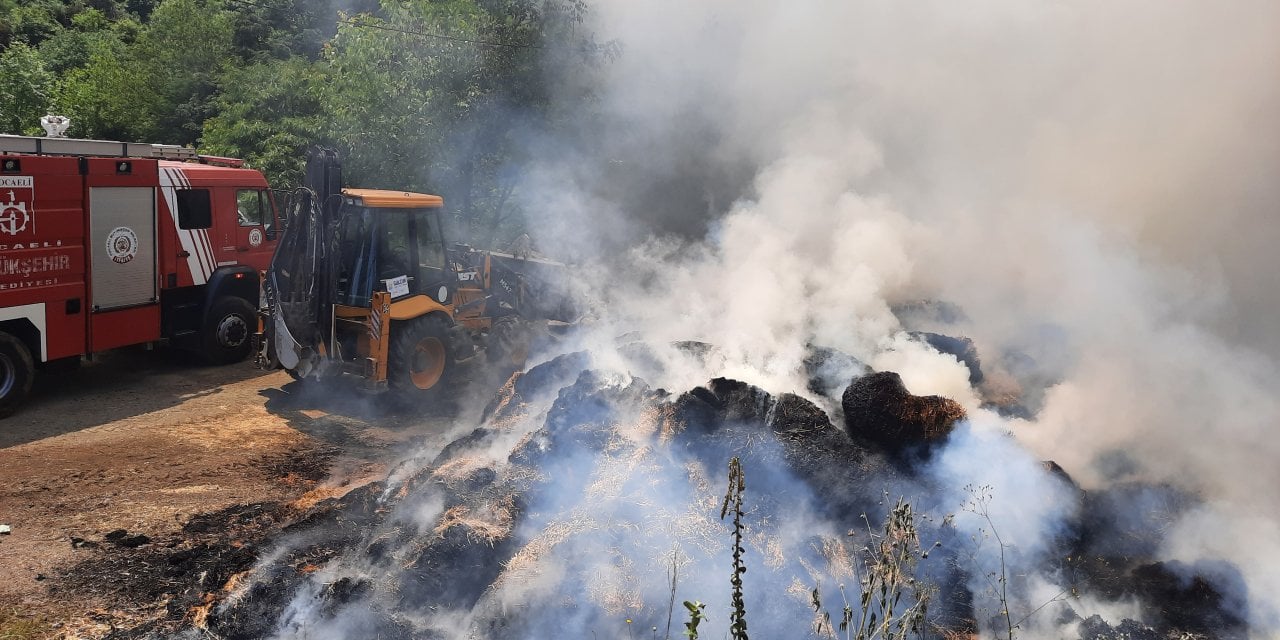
(107, 244)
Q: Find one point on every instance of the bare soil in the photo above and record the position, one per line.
(136, 483)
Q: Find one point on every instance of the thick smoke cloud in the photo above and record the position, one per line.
(1091, 184)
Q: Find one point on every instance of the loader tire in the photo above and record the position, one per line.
(421, 358)
(17, 370)
(228, 331)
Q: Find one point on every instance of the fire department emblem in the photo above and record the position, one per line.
(17, 213)
(255, 237)
(122, 245)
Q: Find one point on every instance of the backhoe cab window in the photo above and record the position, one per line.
(431, 255)
(412, 246)
(376, 245)
(355, 258)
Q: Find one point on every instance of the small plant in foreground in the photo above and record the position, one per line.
(673, 574)
(733, 501)
(886, 571)
(696, 616)
(998, 581)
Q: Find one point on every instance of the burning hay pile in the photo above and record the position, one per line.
(590, 502)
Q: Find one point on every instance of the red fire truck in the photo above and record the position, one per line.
(106, 244)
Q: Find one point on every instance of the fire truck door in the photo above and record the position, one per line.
(254, 217)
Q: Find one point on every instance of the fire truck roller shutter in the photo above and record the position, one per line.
(229, 314)
(123, 246)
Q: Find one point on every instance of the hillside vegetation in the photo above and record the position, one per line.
(448, 96)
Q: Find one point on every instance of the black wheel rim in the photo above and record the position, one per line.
(232, 331)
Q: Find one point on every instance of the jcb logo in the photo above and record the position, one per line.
(17, 205)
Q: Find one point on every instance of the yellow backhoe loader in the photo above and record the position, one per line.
(365, 283)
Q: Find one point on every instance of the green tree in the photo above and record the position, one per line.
(268, 114)
(103, 99)
(285, 28)
(32, 22)
(159, 88)
(26, 89)
(184, 46)
(447, 97)
(91, 32)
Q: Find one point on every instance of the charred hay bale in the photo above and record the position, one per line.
(829, 370)
(583, 418)
(419, 473)
(920, 313)
(739, 401)
(641, 358)
(542, 379)
(702, 351)
(344, 516)
(723, 401)
(824, 457)
(795, 416)
(820, 454)
(458, 561)
(1175, 598)
(1095, 628)
(1174, 606)
(960, 347)
(1183, 599)
(552, 374)
(463, 445)
(705, 409)
(879, 409)
(1128, 519)
(256, 612)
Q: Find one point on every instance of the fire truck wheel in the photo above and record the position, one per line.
(228, 331)
(17, 370)
(420, 357)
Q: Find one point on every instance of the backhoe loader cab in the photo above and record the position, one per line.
(391, 241)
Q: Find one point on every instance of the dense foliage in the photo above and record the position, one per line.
(446, 96)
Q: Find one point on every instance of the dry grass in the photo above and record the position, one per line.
(616, 591)
(489, 526)
(839, 558)
(15, 626)
(454, 473)
(317, 495)
(525, 561)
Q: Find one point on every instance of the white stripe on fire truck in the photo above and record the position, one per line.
(167, 188)
(195, 264)
(193, 235)
(201, 235)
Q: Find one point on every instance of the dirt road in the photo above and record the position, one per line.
(120, 478)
